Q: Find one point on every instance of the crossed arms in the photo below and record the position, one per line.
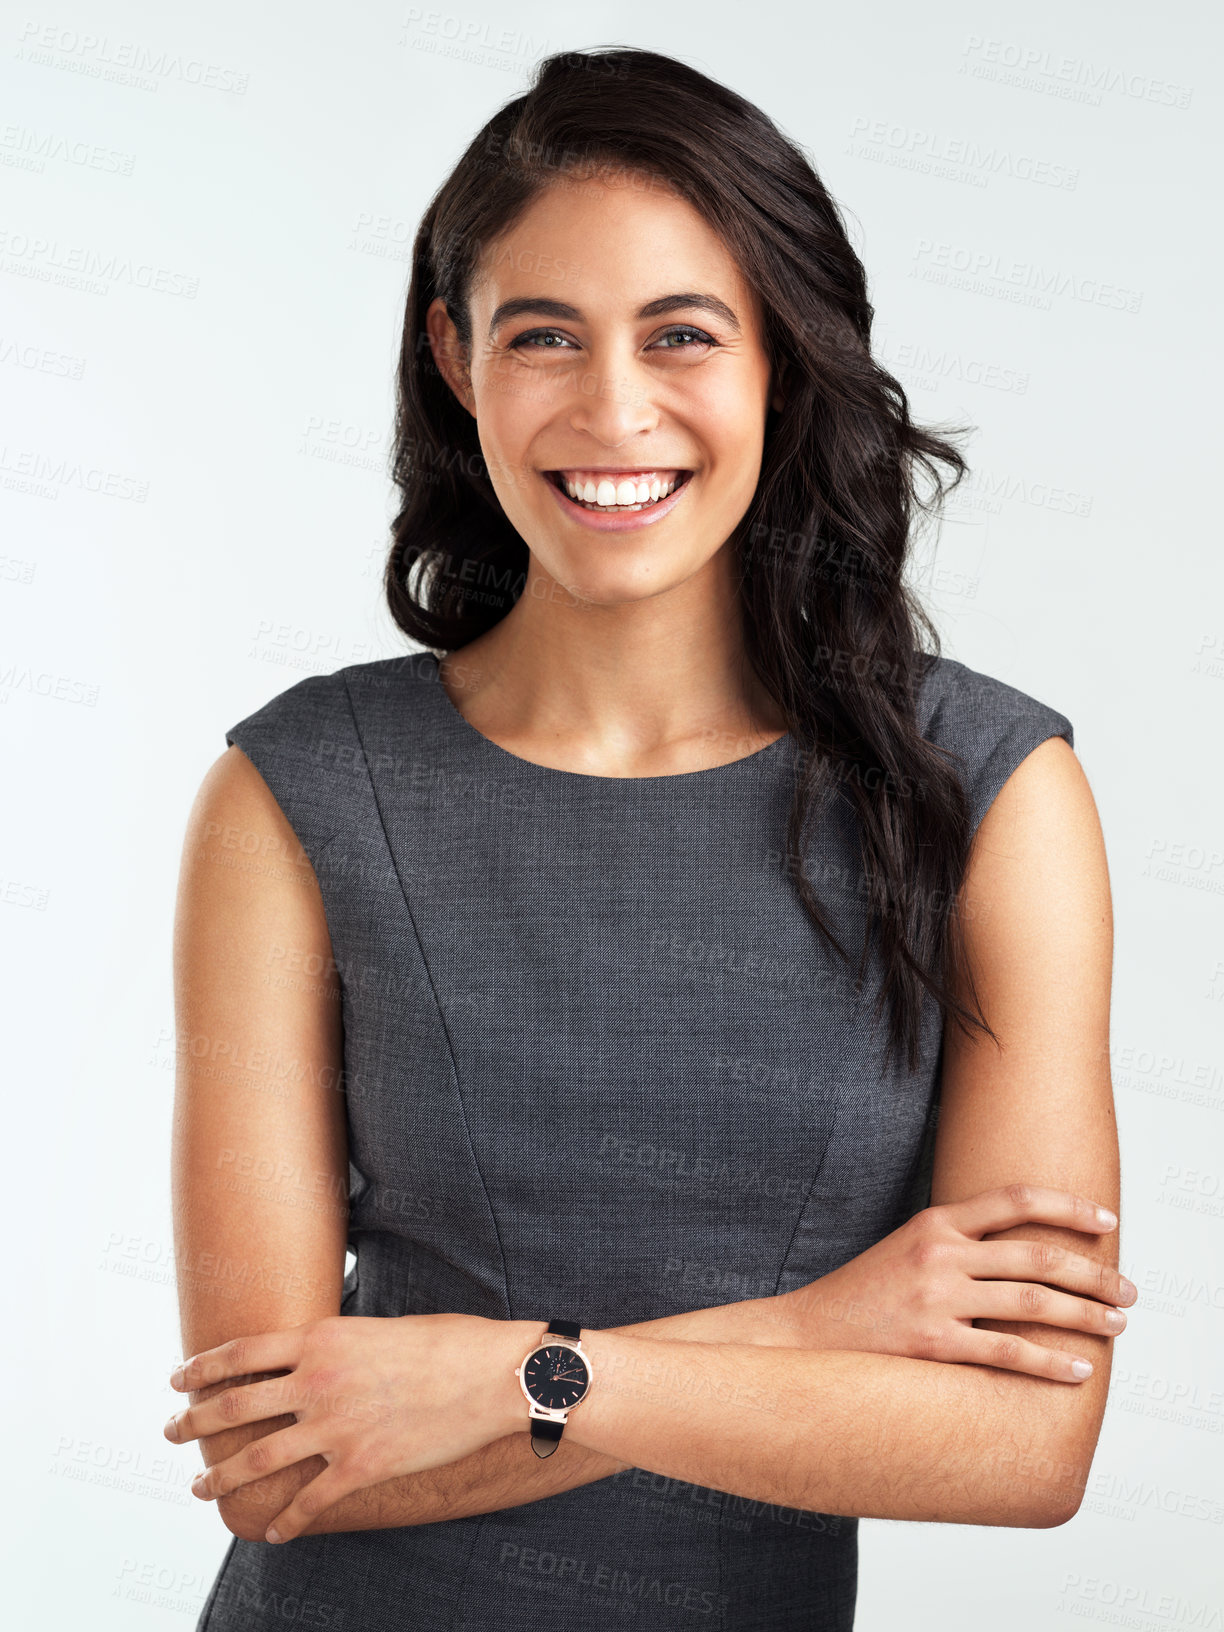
(888, 1435)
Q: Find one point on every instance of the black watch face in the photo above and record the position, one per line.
(556, 1377)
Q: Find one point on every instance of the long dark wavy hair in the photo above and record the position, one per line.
(830, 627)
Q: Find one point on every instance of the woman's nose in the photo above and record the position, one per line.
(612, 402)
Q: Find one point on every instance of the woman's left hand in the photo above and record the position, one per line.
(375, 1397)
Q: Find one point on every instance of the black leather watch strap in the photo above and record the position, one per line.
(565, 1328)
(545, 1435)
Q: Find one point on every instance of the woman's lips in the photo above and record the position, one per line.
(609, 521)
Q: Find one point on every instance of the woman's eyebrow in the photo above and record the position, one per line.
(541, 306)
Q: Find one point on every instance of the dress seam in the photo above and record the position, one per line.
(803, 1206)
(467, 1569)
(450, 1050)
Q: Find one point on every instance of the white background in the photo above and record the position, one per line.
(194, 493)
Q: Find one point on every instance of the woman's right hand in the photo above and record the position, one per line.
(918, 1291)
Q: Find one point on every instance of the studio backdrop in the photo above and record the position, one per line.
(207, 222)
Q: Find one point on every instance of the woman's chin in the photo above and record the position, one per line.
(611, 570)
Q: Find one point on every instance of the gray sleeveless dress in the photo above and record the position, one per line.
(598, 1065)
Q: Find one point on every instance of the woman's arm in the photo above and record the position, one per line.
(260, 1157)
(260, 1160)
(886, 1436)
(1041, 1107)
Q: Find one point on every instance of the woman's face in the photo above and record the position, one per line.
(615, 346)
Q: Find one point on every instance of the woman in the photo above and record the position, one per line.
(597, 971)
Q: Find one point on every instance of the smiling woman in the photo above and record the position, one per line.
(715, 976)
(617, 371)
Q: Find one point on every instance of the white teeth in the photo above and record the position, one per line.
(625, 494)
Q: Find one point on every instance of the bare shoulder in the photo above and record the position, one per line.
(1047, 797)
(231, 792)
(254, 969)
(1038, 931)
(240, 848)
(1035, 902)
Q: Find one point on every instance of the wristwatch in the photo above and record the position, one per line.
(555, 1377)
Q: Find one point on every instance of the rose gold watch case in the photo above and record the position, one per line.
(535, 1409)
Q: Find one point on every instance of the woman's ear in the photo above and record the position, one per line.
(449, 355)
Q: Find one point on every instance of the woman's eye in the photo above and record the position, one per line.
(699, 335)
(553, 340)
(534, 335)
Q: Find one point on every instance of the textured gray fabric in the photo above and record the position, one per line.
(599, 1065)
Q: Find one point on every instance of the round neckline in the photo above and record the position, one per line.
(586, 776)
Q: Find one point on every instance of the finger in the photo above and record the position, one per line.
(1046, 1261)
(249, 1402)
(262, 1456)
(1013, 1300)
(1011, 1353)
(263, 1351)
(1009, 1204)
(315, 1497)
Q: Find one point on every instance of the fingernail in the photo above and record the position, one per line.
(176, 1377)
(273, 1533)
(1129, 1289)
(1115, 1320)
(1082, 1368)
(1106, 1217)
(171, 1428)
